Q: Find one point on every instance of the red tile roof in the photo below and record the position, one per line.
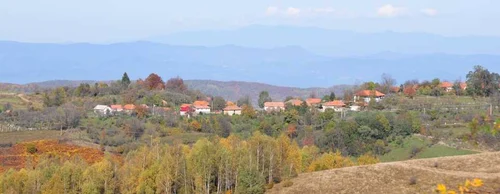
(313, 101)
(337, 103)
(446, 85)
(231, 108)
(200, 103)
(463, 85)
(295, 102)
(185, 105)
(369, 93)
(395, 89)
(274, 104)
(116, 106)
(129, 107)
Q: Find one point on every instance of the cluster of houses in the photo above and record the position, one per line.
(203, 107)
(362, 98)
(336, 105)
(105, 110)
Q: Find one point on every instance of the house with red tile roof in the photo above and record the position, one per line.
(295, 102)
(201, 107)
(313, 101)
(129, 108)
(232, 110)
(446, 86)
(336, 105)
(367, 95)
(274, 106)
(185, 109)
(117, 108)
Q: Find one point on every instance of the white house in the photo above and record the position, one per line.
(102, 110)
(274, 106)
(232, 110)
(201, 107)
(336, 105)
(367, 95)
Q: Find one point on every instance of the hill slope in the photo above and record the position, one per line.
(395, 177)
(233, 90)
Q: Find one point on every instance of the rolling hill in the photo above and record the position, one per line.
(396, 177)
(233, 90)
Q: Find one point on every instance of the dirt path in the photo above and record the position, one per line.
(24, 99)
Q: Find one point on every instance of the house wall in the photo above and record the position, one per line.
(272, 108)
(335, 108)
(233, 112)
(202, 110)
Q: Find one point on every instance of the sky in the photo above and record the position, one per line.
(105, 21)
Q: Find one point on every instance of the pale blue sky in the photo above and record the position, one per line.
(129, 20)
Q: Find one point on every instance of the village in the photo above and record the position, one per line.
(202, 107)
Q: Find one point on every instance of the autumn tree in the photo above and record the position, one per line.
(218, 103)
(153, 81)
(176, 84)
(481, 82)
(263, 98)
(410, 91)
(386, 83)
(248, 111)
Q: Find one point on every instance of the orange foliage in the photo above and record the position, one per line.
(17, 156)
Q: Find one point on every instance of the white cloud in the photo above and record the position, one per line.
(391, 11)
(292, 11)
(323, 10)
(429, 12)
(271, 10)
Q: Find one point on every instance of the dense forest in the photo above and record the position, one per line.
(245, 153)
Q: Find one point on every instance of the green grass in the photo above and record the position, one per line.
(399, 153)
(440, 151)
(15, 101)
(22, 136)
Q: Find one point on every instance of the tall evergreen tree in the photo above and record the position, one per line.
(125, 80)
(263, 98)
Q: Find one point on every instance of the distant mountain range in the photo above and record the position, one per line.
(339, 43)
(283, 66)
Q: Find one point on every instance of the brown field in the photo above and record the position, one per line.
(395, 177)
(17, 156)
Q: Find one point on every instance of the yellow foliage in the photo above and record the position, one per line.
(467, 187)
(368, 159)
(330, 161)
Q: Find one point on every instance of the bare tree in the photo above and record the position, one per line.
(386, 83)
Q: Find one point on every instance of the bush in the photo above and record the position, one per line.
(287, 183)
(413, 181)
(31, 148)
(415, 151)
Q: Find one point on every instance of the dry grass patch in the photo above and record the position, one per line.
(417, 176)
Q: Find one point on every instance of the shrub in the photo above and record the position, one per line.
(413, 181)
(436, 164)
(31, 148)
(287, 183)
(269, 186)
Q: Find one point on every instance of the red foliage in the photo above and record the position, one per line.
(410, 91)
(154, 81)
(176, 84)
